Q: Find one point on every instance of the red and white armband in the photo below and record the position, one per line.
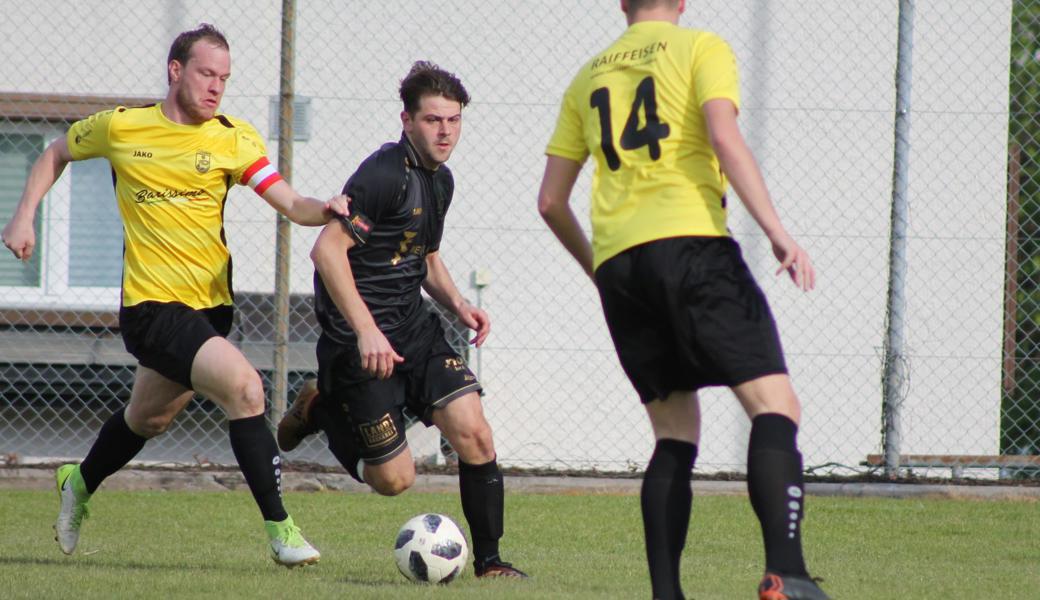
(260, 175)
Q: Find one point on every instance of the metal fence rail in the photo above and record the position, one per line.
(901, 142)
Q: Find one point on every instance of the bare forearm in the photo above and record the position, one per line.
(740, 167)
(307, 211)
(440, 286)
(564, 225)
(554, 206)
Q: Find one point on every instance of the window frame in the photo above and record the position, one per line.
(51, 115)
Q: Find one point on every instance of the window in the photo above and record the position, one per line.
(95, 229)
(79, 236)
(301, 122)
(18, 151)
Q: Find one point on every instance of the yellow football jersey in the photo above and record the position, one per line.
(171, 182)
(636, 108)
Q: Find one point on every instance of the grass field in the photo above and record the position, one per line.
(211, 545)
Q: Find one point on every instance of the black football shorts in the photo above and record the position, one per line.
(686, 313)
(166, 336)
(432, 376)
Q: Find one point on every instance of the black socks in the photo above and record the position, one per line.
(483, 503)
(116, 445)
(665, 499)
(257, 455)
(774, 477)
(251, 441)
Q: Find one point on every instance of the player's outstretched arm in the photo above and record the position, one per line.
(739, 165)
(304, 210)
(554, 205)
(329, 256)
(440, 286)
(19, 235)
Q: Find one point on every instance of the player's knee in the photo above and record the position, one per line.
(151, 426)
(247, 393)
(391, 483)
(475, 445)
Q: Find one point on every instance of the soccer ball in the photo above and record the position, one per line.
(430, 548)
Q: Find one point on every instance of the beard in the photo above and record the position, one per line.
(433, 155)
(189, 107)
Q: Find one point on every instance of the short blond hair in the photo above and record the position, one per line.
(641, 4)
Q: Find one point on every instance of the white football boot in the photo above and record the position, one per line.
(288, 548)
(73, 510)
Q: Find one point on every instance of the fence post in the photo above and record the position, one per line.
(895, 361)
(280, 374)
(1011, 267)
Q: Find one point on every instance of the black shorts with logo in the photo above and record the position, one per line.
(431, 376)
(686, 313)
(166, 336)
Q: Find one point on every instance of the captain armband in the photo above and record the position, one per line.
(260, 175)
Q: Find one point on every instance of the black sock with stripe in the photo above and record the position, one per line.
(257, 456)
(776, 489)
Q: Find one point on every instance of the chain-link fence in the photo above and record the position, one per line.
(919, 346)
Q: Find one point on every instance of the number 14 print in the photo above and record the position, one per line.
(632, 137)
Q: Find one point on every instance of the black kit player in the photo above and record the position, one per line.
(380, 349)
(657, 112)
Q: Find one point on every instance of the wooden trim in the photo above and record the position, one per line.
(60, 107)
(960, 460)
(59, 318)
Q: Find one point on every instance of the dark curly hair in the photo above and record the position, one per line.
(427, 79)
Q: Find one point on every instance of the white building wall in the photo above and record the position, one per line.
(819, 88)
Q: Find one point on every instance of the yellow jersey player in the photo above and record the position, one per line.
(657, 112)
(173, 164)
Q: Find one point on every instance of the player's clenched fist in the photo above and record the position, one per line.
(20, 239)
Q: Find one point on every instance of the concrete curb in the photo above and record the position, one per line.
(40, 478)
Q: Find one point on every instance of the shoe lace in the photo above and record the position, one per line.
(290, 536)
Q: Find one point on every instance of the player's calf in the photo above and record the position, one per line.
(297, 423)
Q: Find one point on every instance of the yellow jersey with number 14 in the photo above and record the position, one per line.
(171, 182)
(636, 108)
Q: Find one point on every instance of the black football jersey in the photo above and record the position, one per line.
(396, 218)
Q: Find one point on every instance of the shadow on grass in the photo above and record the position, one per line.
(94, 563)
(372, 583)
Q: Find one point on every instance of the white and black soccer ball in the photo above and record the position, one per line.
(430, 548)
